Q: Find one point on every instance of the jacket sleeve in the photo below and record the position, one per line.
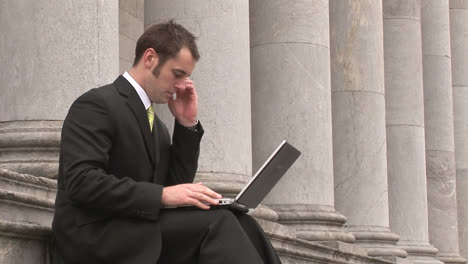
(184, 153)
(87, 136)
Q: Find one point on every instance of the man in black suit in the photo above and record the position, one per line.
(118, 170)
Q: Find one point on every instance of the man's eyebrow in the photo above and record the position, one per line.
(180, 71)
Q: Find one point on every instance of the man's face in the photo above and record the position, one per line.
(172, 77)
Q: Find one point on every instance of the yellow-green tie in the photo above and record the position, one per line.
(150, 113)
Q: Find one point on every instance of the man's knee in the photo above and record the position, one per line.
(225, 216)
(224, 221)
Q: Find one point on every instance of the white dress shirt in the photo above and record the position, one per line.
(143, 96)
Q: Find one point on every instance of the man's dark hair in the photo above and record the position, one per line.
(167, 39)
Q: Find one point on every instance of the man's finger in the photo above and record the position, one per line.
(207, 191)
(203, 198)
(212, 193)
(187, 80)
(199, 204)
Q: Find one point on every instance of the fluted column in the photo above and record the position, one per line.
(291, 100)
(222, 80)
(438, 110)
(459, 44)
(51, 54)
(359, 146)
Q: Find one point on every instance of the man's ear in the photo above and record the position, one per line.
(150, 58)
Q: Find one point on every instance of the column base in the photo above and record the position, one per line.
(265, 213)
(314, 222)
(227, 184)
(27, 206)
(30, 147)
(420, 252)
(298, 251)
(378, 241)
(451, 258)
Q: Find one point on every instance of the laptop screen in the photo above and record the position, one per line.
(268, 175)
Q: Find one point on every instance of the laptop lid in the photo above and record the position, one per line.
(268, 175)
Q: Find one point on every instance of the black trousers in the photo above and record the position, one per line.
(194, 236)
(213, 236)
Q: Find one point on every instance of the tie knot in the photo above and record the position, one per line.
(150, 113)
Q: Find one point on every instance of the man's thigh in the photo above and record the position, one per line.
(208, 236)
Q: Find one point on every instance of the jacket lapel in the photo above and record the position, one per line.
(138, 109)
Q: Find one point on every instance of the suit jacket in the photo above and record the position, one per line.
(112, 170)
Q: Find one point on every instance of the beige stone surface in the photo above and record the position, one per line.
(403, 72)
(222, 80)
(440, 152)
(459, 42)
(360, 169)
(405, 123)
(402, 9)
(438, 103)
(356, 46)
(20, 250)
(462, 196)
(459, 38)
(30, 147)
(442, 197)
(435, 24)
(458, 4)
(26, 210)
(130, 25)
(290, 99)
(127, 48)
(283, 21)
(460, 116)
(129, 6)
(55, 53)
(124, 65)
(407, 183)
(359, 135)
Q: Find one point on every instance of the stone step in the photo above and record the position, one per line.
(27, 184)
(27, 205)
(298, 251)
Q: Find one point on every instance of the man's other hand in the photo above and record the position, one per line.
(185, 107)
(189, 194)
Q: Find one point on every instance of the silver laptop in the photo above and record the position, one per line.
(264, 179)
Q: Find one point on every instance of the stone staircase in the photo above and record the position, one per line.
(26, 212)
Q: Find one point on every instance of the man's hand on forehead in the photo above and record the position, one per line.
(184, 105)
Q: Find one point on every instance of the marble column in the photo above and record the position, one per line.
(222, 80)
(438, 113)
(359, 137)
(405, 126)
(291, 97)
(53, 54)
(459, 44)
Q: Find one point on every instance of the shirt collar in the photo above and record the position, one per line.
(143, 96)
